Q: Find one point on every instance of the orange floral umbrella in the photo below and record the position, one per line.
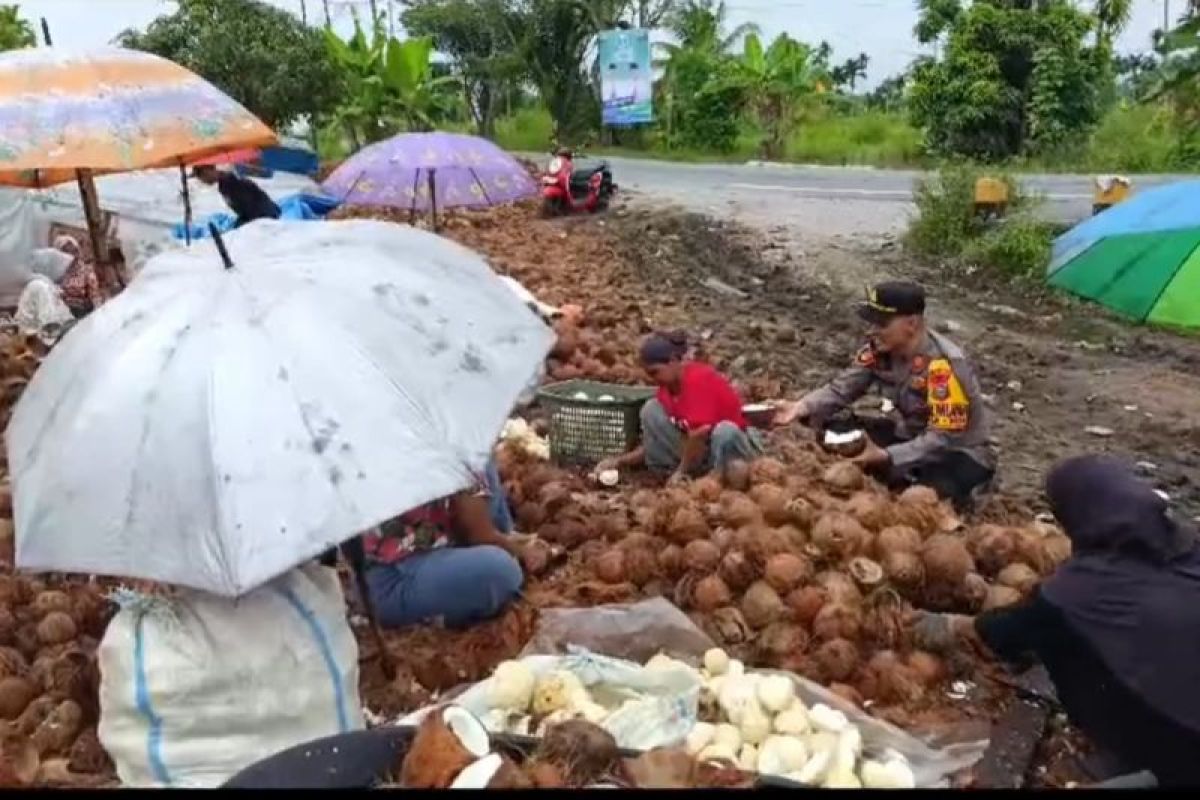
(68, 115)
(110, 110)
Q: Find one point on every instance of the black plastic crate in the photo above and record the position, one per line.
(587, 430)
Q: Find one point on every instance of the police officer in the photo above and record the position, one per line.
(937, 431)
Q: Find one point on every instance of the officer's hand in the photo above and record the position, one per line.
(872, 456)
(938, 633)
(933, 632)
(790, 413)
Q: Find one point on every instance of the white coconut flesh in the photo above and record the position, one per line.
(834, 439)
(470, 732)
(478, 774)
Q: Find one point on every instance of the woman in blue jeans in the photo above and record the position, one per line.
(449, 560)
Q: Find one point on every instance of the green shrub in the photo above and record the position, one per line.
(529, 130)
(945, 220)
(873, 137)
(711, 120)
(1018, 246)
(947, 227)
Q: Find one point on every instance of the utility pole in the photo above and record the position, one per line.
(1166, 16)
(304, 12)
(46, 33)
(325, 4)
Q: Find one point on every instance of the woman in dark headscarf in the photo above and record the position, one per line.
(1117, 626)
(695, 422)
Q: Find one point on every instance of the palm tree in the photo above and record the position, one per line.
(701, 49)
(700, 25)
(15, 32)
(1112, 17)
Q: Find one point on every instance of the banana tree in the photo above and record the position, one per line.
(414, 94)
(359, 62)
(387, 85)
(779, 83)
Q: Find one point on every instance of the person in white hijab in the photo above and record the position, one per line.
(41, 302)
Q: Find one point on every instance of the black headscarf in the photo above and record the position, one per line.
(1132, 585)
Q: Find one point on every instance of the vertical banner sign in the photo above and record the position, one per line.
(626, 78)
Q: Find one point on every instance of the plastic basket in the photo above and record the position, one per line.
(584, 428)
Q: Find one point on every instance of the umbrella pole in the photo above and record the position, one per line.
(91, 213)
(356, 558)
(187, 205)
(433, 197)
(412, 210)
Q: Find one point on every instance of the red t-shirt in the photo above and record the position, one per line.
(705, 398)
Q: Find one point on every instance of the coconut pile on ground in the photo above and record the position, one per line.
(805, 564)
(49, 629)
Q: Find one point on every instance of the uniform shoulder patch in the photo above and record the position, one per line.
(866, 356)
(949, 406)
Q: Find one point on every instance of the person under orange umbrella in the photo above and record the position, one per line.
(245, 198)
(80, 285)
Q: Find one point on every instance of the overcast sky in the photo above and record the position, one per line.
(882, 28)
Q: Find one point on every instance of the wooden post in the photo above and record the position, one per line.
(91, 212)
(187, 205)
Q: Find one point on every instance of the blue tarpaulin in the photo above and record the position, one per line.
(297, 207)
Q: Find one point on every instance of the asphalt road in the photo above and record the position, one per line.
(827, 201)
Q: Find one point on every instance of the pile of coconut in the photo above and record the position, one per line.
(806, 565)
(49, 683)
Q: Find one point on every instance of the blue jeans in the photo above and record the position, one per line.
(459, 585)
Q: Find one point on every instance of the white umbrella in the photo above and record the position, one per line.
(215, 427)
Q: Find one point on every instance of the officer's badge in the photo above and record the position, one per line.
(949, 408)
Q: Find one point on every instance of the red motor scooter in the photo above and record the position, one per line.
(567, 191)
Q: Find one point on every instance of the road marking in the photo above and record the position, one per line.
(895, 194)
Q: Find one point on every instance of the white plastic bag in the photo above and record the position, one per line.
(41, 305)
(195, 688)
(639, 630)
(660, 708)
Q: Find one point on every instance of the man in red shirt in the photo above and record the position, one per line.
(695, 423)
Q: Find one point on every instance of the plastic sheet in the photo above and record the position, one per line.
(637, 631)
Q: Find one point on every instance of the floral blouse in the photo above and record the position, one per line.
(426, 527)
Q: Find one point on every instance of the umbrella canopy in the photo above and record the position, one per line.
(1140, 258)
(409, 170)
(215, 427)
(110, 110)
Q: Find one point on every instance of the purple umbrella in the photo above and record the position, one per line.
(410, 170)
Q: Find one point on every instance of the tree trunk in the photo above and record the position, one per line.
(487, 111)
